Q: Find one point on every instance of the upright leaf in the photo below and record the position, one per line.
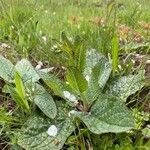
(108, 114)
(7, 69)
(76, 80)
(20, 90)
(92, 58)
(115, 49)
(79, 53)
(19, 85)
(21, 102)
(44, 101)
(101, 72)
(66, 44)
(98, 78)
(123, 87)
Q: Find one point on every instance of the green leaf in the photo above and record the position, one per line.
(6, 117)
(19, 85)
(80, 53)
(20, 89)
(123, 87)
(33, 134)
(76, 80)
(21, 102)
(67, 45)
(7, 69)
(108, 114)
(56, 85)
(92, 58)
(26, 71)
(98, 78)
(45, 101)
(115, 49)
(102, 72)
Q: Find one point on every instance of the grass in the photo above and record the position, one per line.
(119, 30)
(27, 23)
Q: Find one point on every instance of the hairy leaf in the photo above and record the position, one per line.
(7, 69)
(108, 114)
(45, 102)
(56, 85)
(92, 58)
(127, 85)
(33, 134)
(99, 76)
(26, 70)
(76, 80)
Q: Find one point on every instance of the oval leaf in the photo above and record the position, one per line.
(34, 134)
(108, 114)
(125, 86)
(7, 69)
(98, 78)
(26, 70)
(45, 102)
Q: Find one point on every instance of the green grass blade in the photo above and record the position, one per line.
(115, 49)
(19, 85)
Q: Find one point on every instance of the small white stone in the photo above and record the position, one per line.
(12, 27)
(148, 62)
(87, 78)
(54, 47)
(70, 39)
(133, 61)
(4, 45)
(44, 38)
(66, 94)
(119, 66)
(67, 83)
(39, 65)
(46, 70)
(70, 96)
(63, 67)
(52, 131)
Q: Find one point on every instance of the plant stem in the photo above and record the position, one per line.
(85, 102)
